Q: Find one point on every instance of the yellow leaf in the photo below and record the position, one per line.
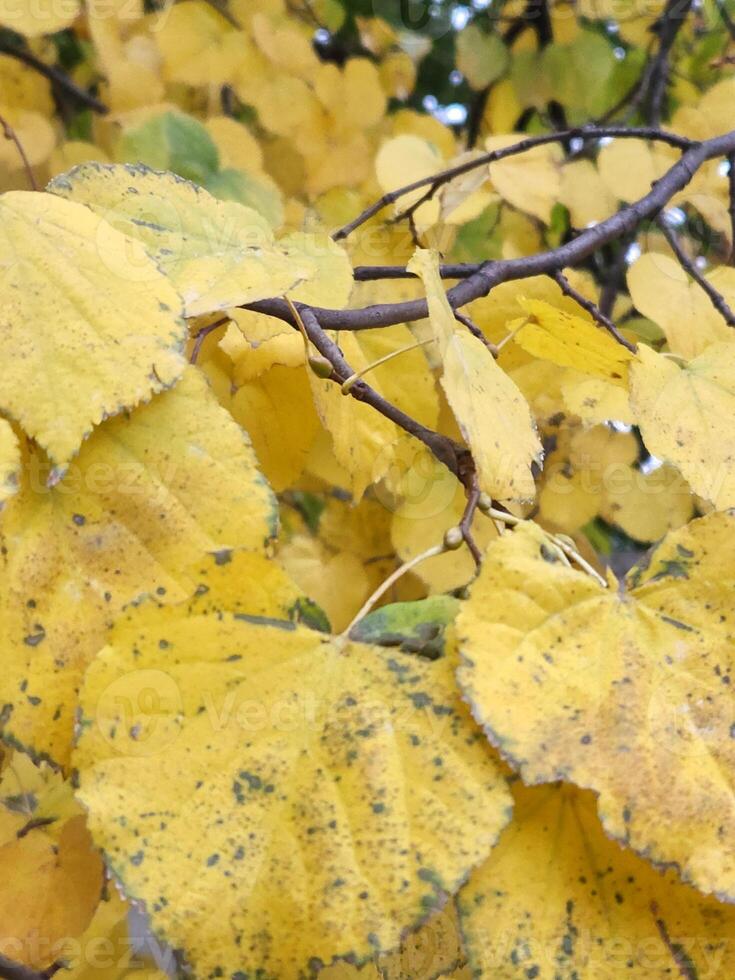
(36, 17)
(661, 291)
(237, 146)
(338, 583)
(329, 275)
(558, 898)
(529, 181)
(595, 400)
(572, 341)
(10, 462)
(336, 792)
(683, 414)
(490, 410)
(402, 160)
(146, 496)
(362, 438)
(218, 253)
(198, 46)
(623, 690)
(585, 194)
(277, 411)
(424, 955)
(97, 322)
(628, 168)
(35, 133)
(268, 342)
(647, 505)
(430, 500)
(50, 875)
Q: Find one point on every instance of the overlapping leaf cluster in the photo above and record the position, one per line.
(325, 647)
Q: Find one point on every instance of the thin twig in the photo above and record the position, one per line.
(56, 76)
(715, 297)
(465, 525)
(468, 322)
(10, 134)
(202, 336)
(595, 312)
(435, 181)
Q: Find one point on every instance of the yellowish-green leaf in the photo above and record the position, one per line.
(330, 793)
(145, 499)
(624, 690)
(491, 412)
(97, 323)
(572, 341)
(218, 253)
(684, 415)
(481, 57)
(557, 898)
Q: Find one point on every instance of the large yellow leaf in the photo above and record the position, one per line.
(625, 690)
(556, 898)
(491, 412)
(217, 253)
(50, 875)
(684, 414)
(145, 499)
(328, 794)
(661, 291)
(10, 462)
(97, 323)
(572, 341)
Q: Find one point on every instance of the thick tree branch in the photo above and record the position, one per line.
(715, 297)
(492, 273)
(435, 181)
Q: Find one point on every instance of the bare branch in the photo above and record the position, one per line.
(435, 181)
(731, 206)
(715, 297)
(492, 273)
(10, 134)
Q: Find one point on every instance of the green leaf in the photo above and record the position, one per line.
(414, 627)
(171, 141)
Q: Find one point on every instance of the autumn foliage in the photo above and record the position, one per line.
(367, 490)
